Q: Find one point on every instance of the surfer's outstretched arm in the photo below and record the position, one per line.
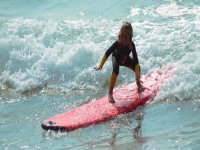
(103, 60)
(106, 55)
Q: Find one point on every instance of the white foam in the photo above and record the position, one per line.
(64, 51)
(51, 51)
(172, 41)
(134, 11)
(172, 10)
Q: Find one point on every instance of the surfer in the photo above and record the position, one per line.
(120, 51)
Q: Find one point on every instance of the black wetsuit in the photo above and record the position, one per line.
(120, 56)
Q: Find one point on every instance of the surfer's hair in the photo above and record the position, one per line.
(125, 30)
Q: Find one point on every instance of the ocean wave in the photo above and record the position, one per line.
(36, 52)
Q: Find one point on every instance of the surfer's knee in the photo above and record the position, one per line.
(115, 64)
(116, 70)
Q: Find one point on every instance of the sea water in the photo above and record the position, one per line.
(48, 49)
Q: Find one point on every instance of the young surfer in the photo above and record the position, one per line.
(120, 51)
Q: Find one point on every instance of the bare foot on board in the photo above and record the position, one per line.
(111, 99)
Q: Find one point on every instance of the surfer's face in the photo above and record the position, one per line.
(124, 39)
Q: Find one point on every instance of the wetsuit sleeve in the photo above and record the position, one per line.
(135, 58)
(107, 54)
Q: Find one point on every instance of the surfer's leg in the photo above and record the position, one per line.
(138, 82)
(136, 68)
(133, 66)
(113, 79)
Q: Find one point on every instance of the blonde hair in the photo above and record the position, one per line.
(126, 29)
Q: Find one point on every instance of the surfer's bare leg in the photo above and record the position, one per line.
(110, 96)
(113, 78)
(137, 75)
(139, 85)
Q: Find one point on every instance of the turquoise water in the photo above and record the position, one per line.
(48, 49)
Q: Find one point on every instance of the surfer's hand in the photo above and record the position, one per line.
(97, 68)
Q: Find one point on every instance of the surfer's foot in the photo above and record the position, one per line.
(111, 99)
(141, 88)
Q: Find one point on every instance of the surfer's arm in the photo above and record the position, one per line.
(103, 60)
(106, 55)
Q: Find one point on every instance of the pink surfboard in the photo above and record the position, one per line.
(127, 99)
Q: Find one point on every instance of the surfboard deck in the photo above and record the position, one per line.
(127, 99)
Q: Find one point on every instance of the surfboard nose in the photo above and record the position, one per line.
(50, 125)
(44, 126)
